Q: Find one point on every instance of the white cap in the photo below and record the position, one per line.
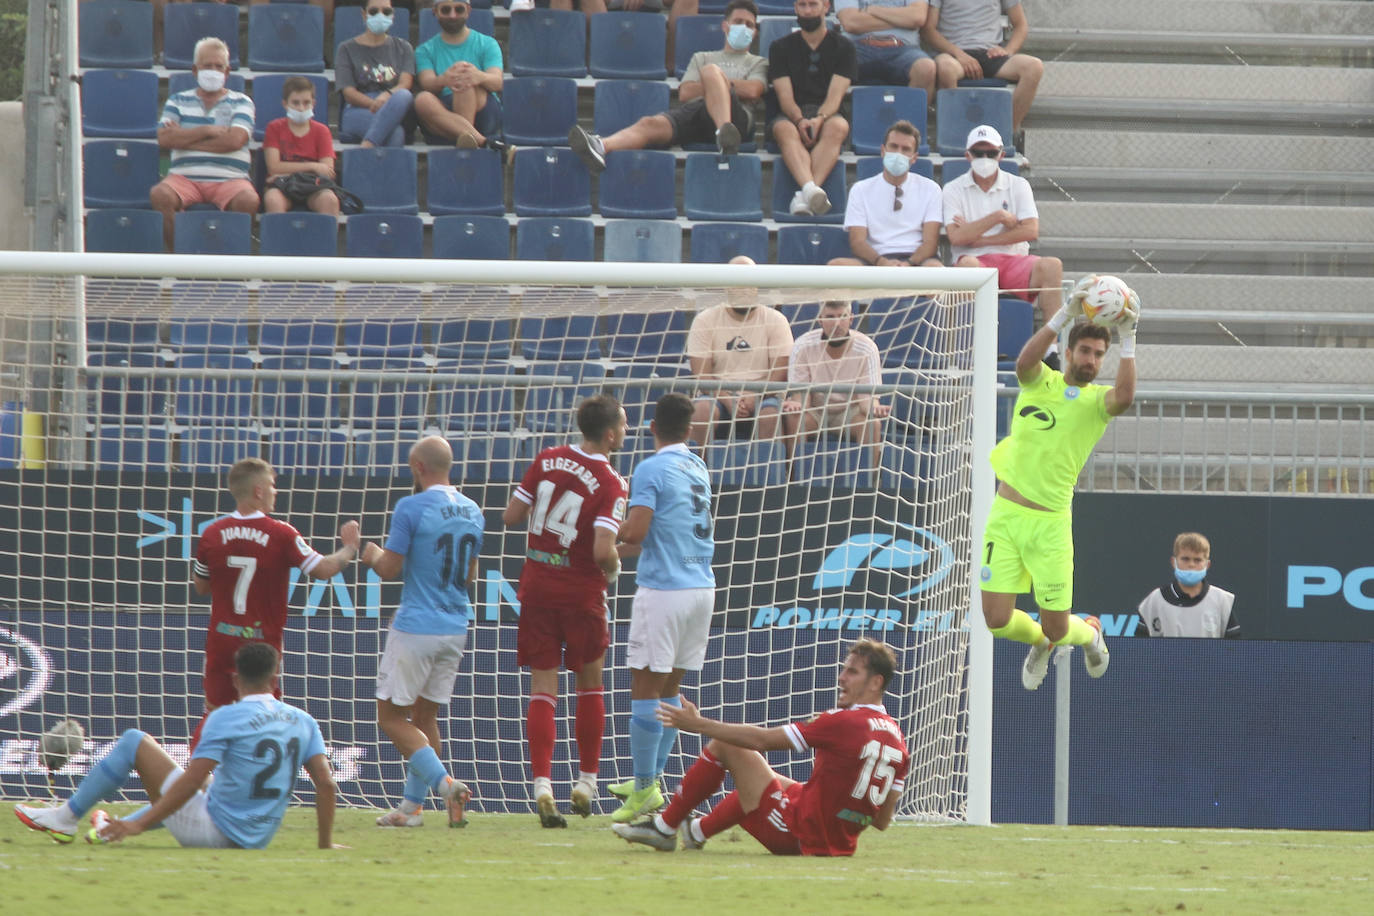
(983, 133)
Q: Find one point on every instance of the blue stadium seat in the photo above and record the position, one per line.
(115, 33)
(827, 462)
(1015, 324)
(298, 336)
(628, 46)
(812, 244)
(473, 339)
(746, 464)
(210, 335)
(292, 401)
(130, 397)
(778, 8)
(119, 103)
(638, 184)
(389, 403)
(639, 399)
(952, 168)
(119, 173)
(551, 181)
(267, 104)
(560, 337)
(307, 451)
(722, 187)
(348, 23)
(873, 109)
(642, 241)
(717, 243)
(653, 335)
(958, 111)
(696, 33)
(384, 235)
(905, 335)
(484, 408)
(619, 103)
(554, 239)
(381, 452)
(132, 447)
(193, 298)
(868, 166)
(182, 80)
(539, 110)
(188, 23)
(132, 231)
(984, 82)
(384, 177)
(784, 186)
(553, 408)
(480, 19)
(471, 238)
(466, 181)
(299, 234)
(548, 43)
(215, 398)
(394, 338)
(770, 30)
(497, 459)
(286, 36)
(212, 232)
(800, 315)
(122, 336)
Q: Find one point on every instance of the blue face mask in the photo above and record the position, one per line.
(379, 24)
(896, 164)
(739, 36)
(1189, 576)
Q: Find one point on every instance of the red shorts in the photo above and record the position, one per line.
(543, 633)
(767, 823)
(218, 685)
(219, 193)
(1013, 273)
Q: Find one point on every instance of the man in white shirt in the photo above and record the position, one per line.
(894, 218)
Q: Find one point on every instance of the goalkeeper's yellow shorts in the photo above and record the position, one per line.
(1024, 546)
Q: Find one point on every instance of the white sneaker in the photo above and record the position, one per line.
(644, 832)
(1036, 666)
(57, 822)
(727, 139)
(521, 6)
(1096, 658)
(583, 797)
(588, 148)
(817, 200)
(398, 818)
(684, 833)
(799, 206)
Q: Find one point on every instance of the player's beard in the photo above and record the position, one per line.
(1080, 375)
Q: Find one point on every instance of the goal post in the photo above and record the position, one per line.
(131, 382)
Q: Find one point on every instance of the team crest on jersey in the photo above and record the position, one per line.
(1071, 393)
(618, 513)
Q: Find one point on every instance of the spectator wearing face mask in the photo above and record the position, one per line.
(990, 220)
(460, 73)
(375, 74)
(298, 143)
(894, 218)
(1189, 605)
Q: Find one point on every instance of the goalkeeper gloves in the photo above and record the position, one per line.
(1130, 320)
(1073, 308)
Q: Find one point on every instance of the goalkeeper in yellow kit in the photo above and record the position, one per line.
(1029, 533)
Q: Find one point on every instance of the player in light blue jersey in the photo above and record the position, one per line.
(669, 528)
(436, 535)
(255, 748)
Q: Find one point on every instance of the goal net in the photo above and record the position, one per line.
(130, 385)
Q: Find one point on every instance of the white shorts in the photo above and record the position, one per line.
(191, 824)
(668, 628)
(419, 665)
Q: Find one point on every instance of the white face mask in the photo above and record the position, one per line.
(984, 168)
(299, 117)
(210, 80)
(739, 36)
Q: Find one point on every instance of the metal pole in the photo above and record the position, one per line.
(1063, 657)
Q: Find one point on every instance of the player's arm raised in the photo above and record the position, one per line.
(1122, 395)
(688, 718)
(1028, 361)
(337, 561)
(326, 797)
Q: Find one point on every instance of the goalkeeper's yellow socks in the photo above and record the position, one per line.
(1021, 628)
(1081, 633)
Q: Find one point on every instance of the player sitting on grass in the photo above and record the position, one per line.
(258, 745)
(861, 764)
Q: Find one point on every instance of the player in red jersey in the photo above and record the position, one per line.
(244, 563)
(574, 502)
(861, 764)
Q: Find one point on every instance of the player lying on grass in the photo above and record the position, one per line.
(861, 763)
(255, 748)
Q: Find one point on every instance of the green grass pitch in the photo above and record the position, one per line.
(508, 864)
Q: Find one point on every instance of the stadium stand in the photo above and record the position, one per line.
(187, 23)
(696, 33)
(471, 237)
(719, 187)
(539, 110)
(551, 181)
(286, 36)
(784, 186)
(627, 45)
(384, 235)
(552, 239)
(620, 103)
(384, 177)
(638, 184)
(115, 33)
(299, 234)
(465, 181)
(119, 103)
(130, 231)
(213, 232)
(874, 108)
(717, 243)
(958, 111)
(548, 43)
(119, 173)
(812, 244)
(642, 240)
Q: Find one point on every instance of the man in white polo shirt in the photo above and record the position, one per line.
(990, 220)
(894, 218)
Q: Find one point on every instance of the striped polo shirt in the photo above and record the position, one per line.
(185, 109)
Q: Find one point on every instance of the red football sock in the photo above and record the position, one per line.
(723, 816)
(540, 732)
(700, 782)
(590, 725)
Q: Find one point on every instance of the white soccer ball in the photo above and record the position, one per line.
(1105, 303)
(60, 742)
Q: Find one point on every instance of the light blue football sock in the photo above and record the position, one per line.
(416, 789)
(668, 741)
(645, 731)
(105, 778)
(428, 769)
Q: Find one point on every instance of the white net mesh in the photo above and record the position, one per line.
(116, 431)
